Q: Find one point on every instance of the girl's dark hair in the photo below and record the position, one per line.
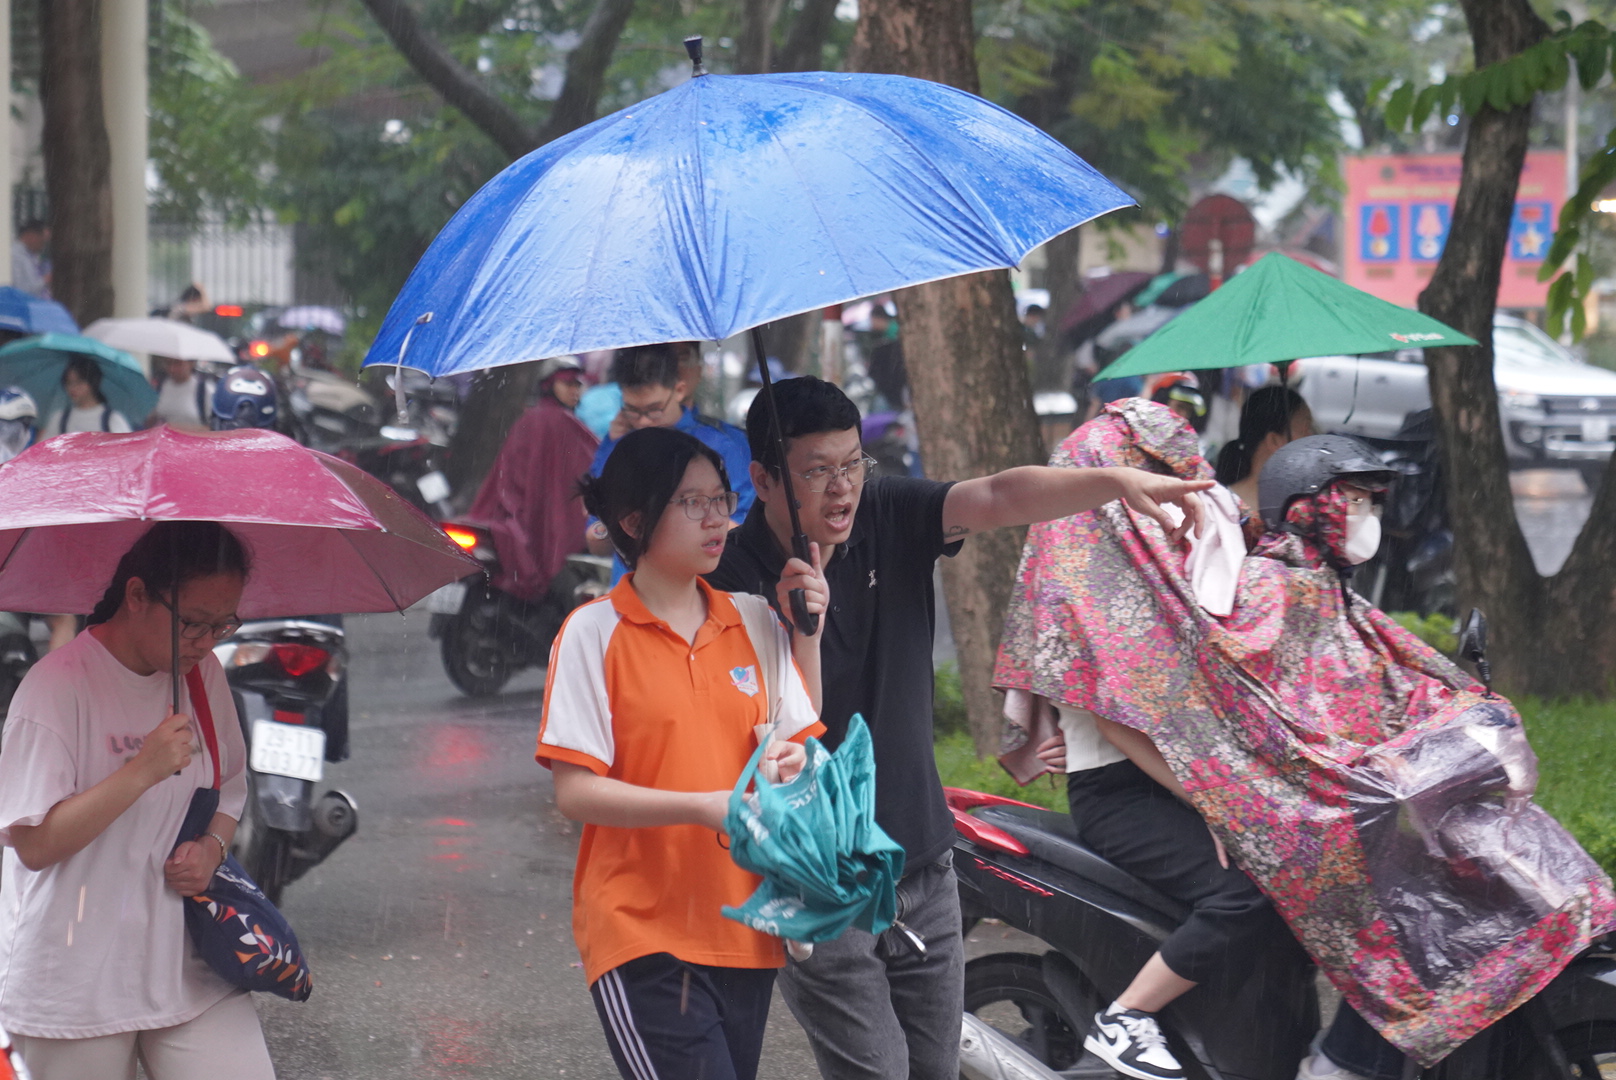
(641, 476)
(170, 554)
(90, 372)
(1267, 410)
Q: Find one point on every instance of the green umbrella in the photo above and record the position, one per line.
(1277, 311)
(36, 364)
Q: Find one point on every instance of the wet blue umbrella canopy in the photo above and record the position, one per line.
(731, 201)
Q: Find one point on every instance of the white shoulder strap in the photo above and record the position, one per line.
(763, 628)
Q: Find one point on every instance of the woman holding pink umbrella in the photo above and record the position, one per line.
(96, 970)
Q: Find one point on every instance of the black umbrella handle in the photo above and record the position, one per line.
(806, 622)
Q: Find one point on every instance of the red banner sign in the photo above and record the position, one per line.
(1398, 210)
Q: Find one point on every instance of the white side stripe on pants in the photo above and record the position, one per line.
(622, 1021)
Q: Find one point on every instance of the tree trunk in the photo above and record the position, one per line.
(967, 369)
(497, 399)
(1554, 637)
(804, 48)
(754, 43)
(78, 157)
(1053, 360)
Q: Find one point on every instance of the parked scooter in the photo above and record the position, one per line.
(288, 680)
(1027, 867)
(488, 635)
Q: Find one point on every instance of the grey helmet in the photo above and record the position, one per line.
(1305, 467)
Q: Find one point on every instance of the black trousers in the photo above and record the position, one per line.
(1135, 823)
(666, 1019)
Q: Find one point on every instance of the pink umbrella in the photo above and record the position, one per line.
(323, 535)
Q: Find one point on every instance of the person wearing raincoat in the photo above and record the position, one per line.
(530, 497)
(655, 694)
(1360, 778)
(96, 968)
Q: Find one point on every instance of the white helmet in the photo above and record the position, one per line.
(17, 404)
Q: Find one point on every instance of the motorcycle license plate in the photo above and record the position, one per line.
(1596, 429)
(434, 486)
(447, 600)
(288, 750)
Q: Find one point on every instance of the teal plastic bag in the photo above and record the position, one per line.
(826, 865)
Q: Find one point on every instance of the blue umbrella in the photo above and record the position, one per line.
(36, 364)
(21, 313)
(728, 202)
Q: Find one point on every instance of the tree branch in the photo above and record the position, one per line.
(457, 86)
(586, 69)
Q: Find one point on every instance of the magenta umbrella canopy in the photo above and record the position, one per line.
(323, 535)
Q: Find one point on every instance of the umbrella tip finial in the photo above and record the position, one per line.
(693, 49)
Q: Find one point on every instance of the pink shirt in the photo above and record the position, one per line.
(96, 944)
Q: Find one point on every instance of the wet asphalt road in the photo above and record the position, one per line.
(439, 934)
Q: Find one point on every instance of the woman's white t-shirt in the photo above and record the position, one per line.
(96, 944)
(90, 419)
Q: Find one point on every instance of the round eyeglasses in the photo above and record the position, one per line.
(697, 507)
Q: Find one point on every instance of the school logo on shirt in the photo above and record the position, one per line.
(745, 680)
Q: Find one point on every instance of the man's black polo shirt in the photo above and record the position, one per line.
(876, 652)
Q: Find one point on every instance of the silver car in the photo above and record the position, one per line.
(1556, 410)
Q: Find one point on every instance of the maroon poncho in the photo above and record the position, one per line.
(1375, 792)
(530, 499)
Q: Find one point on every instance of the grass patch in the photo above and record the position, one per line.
(948, 701)
(1438, 631)
(1576, 756)
(959, 766)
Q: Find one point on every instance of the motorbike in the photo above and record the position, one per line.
(1028, 1013)
(291, 692)
(330, 414)
(17, 655)
(1414, 569)
(487, 635)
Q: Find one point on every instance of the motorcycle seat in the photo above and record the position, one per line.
(1053, 838)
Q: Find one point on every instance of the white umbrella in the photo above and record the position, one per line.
(161, 337)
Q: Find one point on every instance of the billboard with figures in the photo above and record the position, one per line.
(1398, 209)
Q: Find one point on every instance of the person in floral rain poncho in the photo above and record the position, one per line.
(1379, 796)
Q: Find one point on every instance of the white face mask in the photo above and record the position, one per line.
(1363, 538)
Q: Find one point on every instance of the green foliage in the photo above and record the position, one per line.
(1576, 750)
(1158, 94)
(959, 766)
(1514, 83)
(209, 137)
(1438, 631)
(948, 701)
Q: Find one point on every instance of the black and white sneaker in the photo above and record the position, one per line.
(1131, 1043)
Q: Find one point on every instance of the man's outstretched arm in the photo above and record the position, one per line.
(1035, 493)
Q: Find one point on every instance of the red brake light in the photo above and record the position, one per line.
(286, 716)
(464, 537)
(299, 660)
(228, 311)
(259, 349)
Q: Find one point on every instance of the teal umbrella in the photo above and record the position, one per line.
(36, 364)
(826, 864)
(1276, 311)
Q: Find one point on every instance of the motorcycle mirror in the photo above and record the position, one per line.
(1473, 645)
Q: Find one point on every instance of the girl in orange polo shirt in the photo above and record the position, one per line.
(654, 691)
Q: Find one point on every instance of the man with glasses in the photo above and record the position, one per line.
(889, 1008)
(654, 389)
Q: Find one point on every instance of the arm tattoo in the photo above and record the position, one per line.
(953, 532)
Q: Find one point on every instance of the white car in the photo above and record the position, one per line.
(1556, 410)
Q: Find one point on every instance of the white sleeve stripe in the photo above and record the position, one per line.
(578, 709)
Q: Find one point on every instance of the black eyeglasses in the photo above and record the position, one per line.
(196, 631)
(821, 478)
(654, 413)
(697, 507)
